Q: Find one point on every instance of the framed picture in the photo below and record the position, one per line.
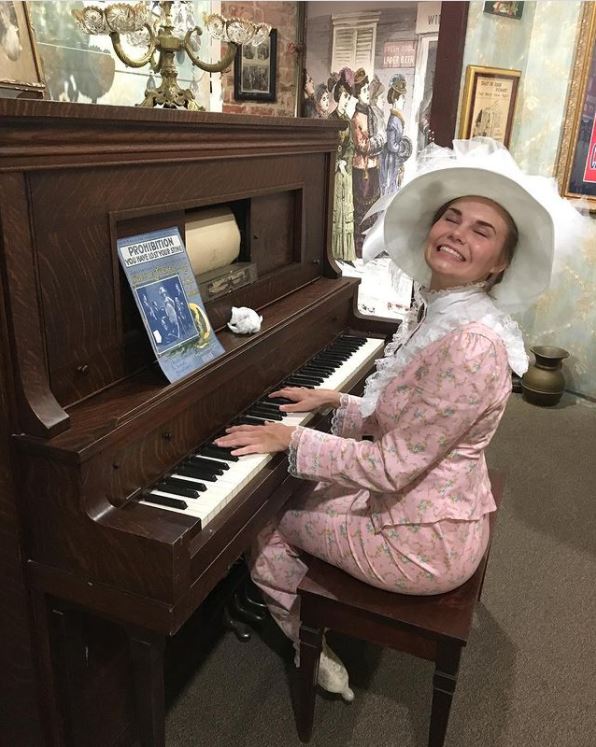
(505, 9)
(20, 68)
(489, 103)
(255, 70)
(576, 160)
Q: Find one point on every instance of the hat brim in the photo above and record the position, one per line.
(409, 216)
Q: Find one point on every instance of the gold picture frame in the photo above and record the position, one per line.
(20, 66)
(576, 158)
(488, 104)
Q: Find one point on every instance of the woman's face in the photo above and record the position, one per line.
(324, 102)
(344, 97)
(364, 94)
(466, 244)
(309, 86)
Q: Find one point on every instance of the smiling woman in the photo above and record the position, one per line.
(402, 496)
(471, 239)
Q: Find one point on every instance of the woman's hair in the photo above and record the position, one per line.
(509, 244)
(319, 91)
(340, 82)
(360, 80)
(397, 88)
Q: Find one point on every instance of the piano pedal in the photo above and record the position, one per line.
(254, 614)
(252, 596)
(240, 629)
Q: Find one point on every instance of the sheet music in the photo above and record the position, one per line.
(167, 296)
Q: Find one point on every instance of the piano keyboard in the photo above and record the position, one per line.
(206, 481)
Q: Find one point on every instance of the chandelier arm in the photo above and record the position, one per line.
(147, 57)
(210, 67)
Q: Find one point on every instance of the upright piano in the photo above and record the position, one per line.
(97, 431)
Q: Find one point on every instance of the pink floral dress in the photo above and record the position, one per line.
(408, 510)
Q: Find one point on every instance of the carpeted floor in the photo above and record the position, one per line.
(527, 675)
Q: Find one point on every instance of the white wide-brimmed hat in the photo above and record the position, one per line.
(484, 168)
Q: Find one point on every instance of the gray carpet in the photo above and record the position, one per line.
(527, 675)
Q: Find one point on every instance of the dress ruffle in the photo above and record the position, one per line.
(446, 311)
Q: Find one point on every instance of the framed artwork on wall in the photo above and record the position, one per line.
(255, 70)
(576, 161)
(505, 9)
(488, 105)
(20, 68)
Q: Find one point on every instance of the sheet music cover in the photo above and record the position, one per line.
(167, 296)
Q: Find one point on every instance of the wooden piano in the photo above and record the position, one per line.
(95, 424)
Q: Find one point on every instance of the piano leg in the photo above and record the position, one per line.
(147, 654)
(48, 689)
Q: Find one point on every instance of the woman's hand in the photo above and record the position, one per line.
(256, 439)
(307, 400)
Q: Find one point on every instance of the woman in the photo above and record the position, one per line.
(408, 511)
(369, 139)
(321, 101)
(308, 98)
(398, 147)
(342, 247)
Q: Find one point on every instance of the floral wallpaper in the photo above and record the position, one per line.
(541, 44)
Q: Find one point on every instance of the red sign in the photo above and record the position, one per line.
(590, 170)
(399, 54)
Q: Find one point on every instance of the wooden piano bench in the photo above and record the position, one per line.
(435, 628)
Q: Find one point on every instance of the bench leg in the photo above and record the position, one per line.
(311, 643)
(444, 682)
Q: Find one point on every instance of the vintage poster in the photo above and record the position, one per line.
(590, 170)
(166, 294)
(492, 101)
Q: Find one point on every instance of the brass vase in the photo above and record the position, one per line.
(544, 382)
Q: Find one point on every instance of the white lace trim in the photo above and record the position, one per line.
(446, 311)
(339, 416)
(293, 452)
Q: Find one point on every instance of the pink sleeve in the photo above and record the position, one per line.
(348, 421)
(464, 380)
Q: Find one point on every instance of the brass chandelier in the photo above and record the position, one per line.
(163, 39)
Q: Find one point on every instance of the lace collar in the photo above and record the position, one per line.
(445, 311)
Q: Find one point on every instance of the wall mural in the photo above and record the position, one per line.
(373, 68)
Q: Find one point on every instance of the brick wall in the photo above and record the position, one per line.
(282, 16)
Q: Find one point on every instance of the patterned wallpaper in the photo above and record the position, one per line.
(541, 44)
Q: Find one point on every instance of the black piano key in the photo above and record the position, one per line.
(355, 338)
(182, 483)
(337, 360)
(280, 400)
(249, 420)
(307, 378)
(168, 486)
(338, 355)
(206, 464)
(218, 452)
(265, 404)
(203, 462)
(269, 414)
(317, 369)
(200, 474)
(303, 377)
(298, 382)
(344, 345)
(163, 500)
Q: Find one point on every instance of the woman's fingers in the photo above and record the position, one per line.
(290, 392)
